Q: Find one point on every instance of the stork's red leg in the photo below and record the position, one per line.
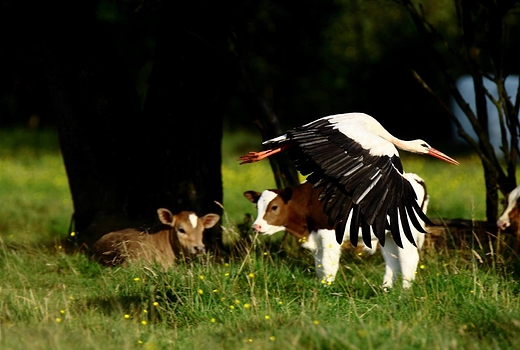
(252, 157)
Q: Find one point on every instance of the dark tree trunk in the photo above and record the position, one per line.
(123, 164)
(193, 77)
(95, 106)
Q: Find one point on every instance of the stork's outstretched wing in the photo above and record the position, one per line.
(355, 181)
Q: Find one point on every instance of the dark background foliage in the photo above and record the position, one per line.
(316, 59)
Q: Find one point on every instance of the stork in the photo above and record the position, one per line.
(355, 161)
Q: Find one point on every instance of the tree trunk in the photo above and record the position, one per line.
(193, 77)
(96, 110)
(284, 171)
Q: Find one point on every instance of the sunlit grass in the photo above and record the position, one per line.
(52, 300)
(455, 191)
(35, 201)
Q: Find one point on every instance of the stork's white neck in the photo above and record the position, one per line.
(414, 146)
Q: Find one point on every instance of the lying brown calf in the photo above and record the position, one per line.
(183, 236)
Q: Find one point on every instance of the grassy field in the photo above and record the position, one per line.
(265, 296)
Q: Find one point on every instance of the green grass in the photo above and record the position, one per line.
(263, 297)
(35, 201)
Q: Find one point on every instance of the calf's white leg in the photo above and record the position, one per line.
(327, 255)
(402, 261)
(392, 267)
(408, 261)
(311, 243)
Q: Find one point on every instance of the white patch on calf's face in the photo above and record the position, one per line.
(193, 219)
(264, 200)
(262, 205)
(188, 233)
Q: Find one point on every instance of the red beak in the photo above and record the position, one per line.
(438, 154)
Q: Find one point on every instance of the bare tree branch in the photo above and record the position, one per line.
(482, 28)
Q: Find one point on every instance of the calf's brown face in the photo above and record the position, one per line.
(272, 213)
(187, 229)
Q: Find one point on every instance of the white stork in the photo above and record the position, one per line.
(356, 162)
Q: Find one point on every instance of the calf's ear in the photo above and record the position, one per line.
(165, 216)
(209, 220)
(252, 196)
(286, 194)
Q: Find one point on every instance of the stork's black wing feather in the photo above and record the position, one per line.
(354, 226)
(405, 224)
(352, 180)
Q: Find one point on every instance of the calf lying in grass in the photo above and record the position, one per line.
(183, 236)
(298, 211)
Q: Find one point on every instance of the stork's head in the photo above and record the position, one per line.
(422, 147)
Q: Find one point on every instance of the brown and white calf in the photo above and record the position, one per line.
(509, 218)
(184, 235)
(298, 211)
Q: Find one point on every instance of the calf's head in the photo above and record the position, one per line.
(186, 229)
(272, 207)
(508, 219)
